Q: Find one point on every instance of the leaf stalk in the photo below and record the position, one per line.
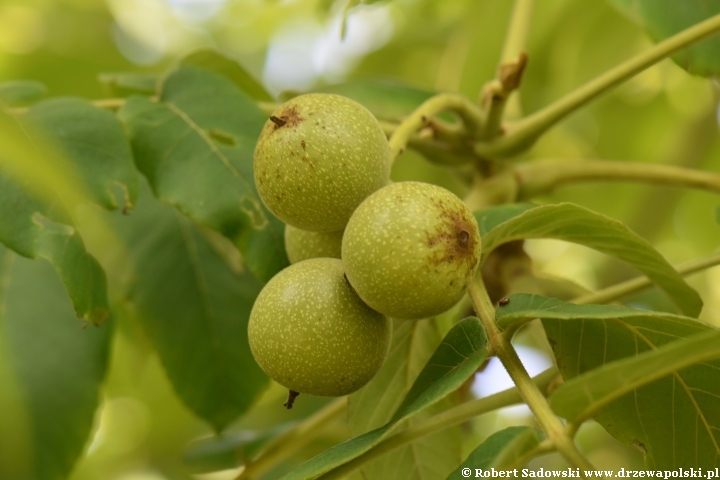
(510, 71)
(540, 177)
(637, 284)
(523, 134)
(503, 349)
(293, 440)
(421, 118)
(447, 419)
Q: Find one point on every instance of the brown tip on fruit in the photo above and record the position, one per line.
(288, 117)
(279, 122)
(292, 395)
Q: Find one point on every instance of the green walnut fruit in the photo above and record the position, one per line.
(310, 332)
(411, 249)
(318, 157)
(302, 245)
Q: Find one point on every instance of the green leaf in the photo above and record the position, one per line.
(195, 310)
(457, 358)
(490, 218)
(95, 142)
(578, 399)
(229, 450)
(500, 451)
(575, 224)
(675, 419)
(386, 99)
(20, 92)
(664, 18)
(523, 308)
(215, 62)
(196, 147)
(124, 84)
(38, 226)
(373, 405)
(58, 365)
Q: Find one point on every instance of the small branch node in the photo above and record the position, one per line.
(511, 73)
(426, 134)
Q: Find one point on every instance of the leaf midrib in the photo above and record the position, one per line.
(250, 186)
(214, 148)
(210, 317)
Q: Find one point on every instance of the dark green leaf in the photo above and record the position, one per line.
(124, 84)
(373, 405)
(21, 92)
(213, 61)
(194, 309)
(94, 140)
(58, 365)
(665, 18)
(500, 451)
(41, 227)
(675, 419)
(572, 223)
(176, 146)
(459, 355)
(581, 397)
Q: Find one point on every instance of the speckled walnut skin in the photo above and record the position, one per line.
(411, 249)
(302, 245)
(310, 332)
(318, 158)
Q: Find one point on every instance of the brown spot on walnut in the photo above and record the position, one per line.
(455, 236)
(302, 144)
(287, 118)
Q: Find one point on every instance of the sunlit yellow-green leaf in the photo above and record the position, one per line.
(58, 367)
(576, 224)
(674, 418)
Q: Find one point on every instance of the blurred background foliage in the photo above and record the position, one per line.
(142, 430)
